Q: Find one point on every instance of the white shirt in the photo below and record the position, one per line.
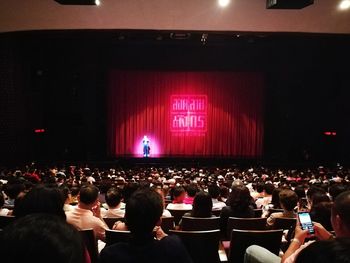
(4, 211)
(113, 212)
(217, 205)
(166, 213)
(84, 219)
(179, 206)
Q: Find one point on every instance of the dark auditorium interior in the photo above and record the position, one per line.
(217, 99)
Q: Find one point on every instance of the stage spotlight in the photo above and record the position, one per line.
(224, 3)
(79, 2)
(344, 5)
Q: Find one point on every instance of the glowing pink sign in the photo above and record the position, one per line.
(188, 113)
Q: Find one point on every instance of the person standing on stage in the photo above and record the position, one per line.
(146, 147)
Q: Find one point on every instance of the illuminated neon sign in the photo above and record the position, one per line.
(188, 114)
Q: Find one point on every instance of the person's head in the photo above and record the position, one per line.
(313, 190)
(42, 238)
(14, 188)
(202, 205)
(300, 191)
(319, 197)
(214, 191)
(260, 187)
(129, 189)
(143, 211)
(65, 192)
(113, 197)
(340, 215)
(268, 189)
(179, 194)
(275, 199)
(239, 198)
(224, 191)
(88, 195)
(40, 199)
(288, 199)
(336, 189)
(191, 190)
(321, 213)
(335, 251)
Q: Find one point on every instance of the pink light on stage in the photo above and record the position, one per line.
(153, 144)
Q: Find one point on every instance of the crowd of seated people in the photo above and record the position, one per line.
(84, 196)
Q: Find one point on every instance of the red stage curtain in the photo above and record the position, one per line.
(139, 104)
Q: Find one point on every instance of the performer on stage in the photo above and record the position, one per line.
(146, 147)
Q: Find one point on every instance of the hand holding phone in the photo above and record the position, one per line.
(305, 222)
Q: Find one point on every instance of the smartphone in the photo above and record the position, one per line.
(305, 222)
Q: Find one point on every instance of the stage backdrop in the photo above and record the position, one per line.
(204, 114)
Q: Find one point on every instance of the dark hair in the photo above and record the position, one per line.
(2, 200)
(300, 191)
(314, 190)
(288, 199)
(336, 189)
(202, 205)
(88, 194)
(260, 187)
(191, 190)
(240, 198)
(319, 197)
(143, 210)
(178, 190)
(129, 189)
(40, 199)
(341, 207)
(336, 251)
(113, 197)
(65, 191)
(275, 199)
(321, 213)
(12, 189)
(74, 190)
(269, 188)
(224, 191)
(43, 238)
(214, 191)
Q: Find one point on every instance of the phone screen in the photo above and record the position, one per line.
(305, 222)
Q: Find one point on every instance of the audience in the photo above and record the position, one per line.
(3, 211)
(179, 194)
(113, 199)
(202, 206)
(340, 218)
(74, 190)
(41, 238)
(143, 246)
(238, 205)
(288, 201)
(88, 213)
(214, 192)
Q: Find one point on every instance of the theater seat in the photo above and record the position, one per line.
(203, 246)
(200, 224)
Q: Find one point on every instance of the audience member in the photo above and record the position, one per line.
(214, 192)
(239, 205)
(41, 238)
(143, 213)
(88, 212)
(113, 199)
(179, 194)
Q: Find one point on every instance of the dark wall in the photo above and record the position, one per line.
(57, 80)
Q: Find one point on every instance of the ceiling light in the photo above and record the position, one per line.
(224, 3)
(78, 2)
(345, 4)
